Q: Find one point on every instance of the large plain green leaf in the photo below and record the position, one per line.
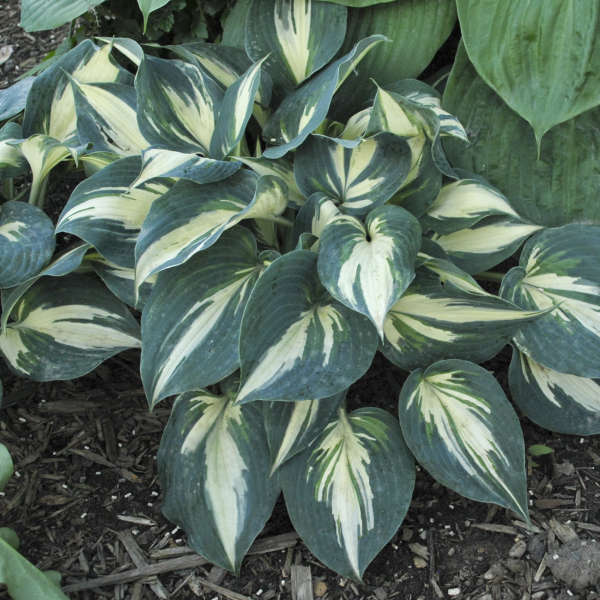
(299, 343)
(542, 58)
(37, 15)
(298, 36)
(149, 6)
(415, 28)
(459, 425)
(559, 271)
(558, 188)
(555, 401)
(214, 465)
(348, 493)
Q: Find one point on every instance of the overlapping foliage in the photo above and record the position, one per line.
(274, 240)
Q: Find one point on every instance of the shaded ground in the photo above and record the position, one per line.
(85, 499)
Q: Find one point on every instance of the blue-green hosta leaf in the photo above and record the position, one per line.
(51, 105)
(107, 211)
(348, 493)
(65, 327)
(559, 268)
(191, 323)
(368, 266)
(300, 37)
(191, 217)
(411, 109)
(14, 98)
(314, 216)
(12, 161)
(542, 58)
(432, 321)
(37, 15)
(26, 241)
(359, 177)
(120, 280)
(107, 117)
(235, 111)
(149, 6)
(214, 464)
(177, 105)
(300, 343)
(302, 111)
(556, 186)
(555, 401)
(64, 264)
(293, 426)
(459, 425)
(6, 466)
(168, 164)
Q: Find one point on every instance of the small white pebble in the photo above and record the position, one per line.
(17, 474)
(423, 535)
(23, 419)
(569, 593)
(451, 506)
(2, 493)
(446, 526)
(98, 472)
(128, 495)
(283, 582)
(395, 546)
(154, 494)
(133, 432)
(453, 591)
(113, 497)
(555, 557)
(120, 445)
(431, 520)
(83, 515)
(174, 531)
(259, 592)
(135, 531)
(150, 504)
(179, 540)
(581, 441)
(86, 447)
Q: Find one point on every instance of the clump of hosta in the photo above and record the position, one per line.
(273, 245)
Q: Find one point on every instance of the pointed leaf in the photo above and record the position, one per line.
(300, 37)
(26, 241)
(459, 425)
(149, 6)
(359, 177)
(14, 98)
(65, 327)
(368, 267)
(191, 323)
(303, 110)
(213, 464)
(300, 343)
(37, 16)
(557, 269)
(12, 161)
(349, 492)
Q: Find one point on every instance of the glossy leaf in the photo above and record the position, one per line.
(300, 343)
(149, 6)
(348, 493)
(213, 464)
(26, 241)
(367, 267)
(459, 425)
(555, 401)
(557, 188)
(65, 327)
(36, 15)
(14, 98)
(543, 59)
(314, 216)
(558, 272)
(12, 161)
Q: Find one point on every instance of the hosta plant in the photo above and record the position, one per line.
(274, 245)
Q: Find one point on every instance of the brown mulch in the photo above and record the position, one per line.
(85, 499)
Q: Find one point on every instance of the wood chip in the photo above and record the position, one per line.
(543, 503)
(496, 528)
(301, 583)
(588, 526)
(197, 583)
(563, 532)
(137, 520)
(419, 550)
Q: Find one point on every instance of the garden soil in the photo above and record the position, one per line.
(85, 499)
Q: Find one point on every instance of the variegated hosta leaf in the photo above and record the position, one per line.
(410, 108)
(51, 105)
(65, 327)
(281, 168)
(107, 211)
(14, 98)
(168, 164)
(434, 321)
(368, 266)
(299, 37)
(177, 105)
(348, 493)
(235, 111)
(12, 161)
(190, 218)
(121, 280)
(459, 425)
(293, 426)
(126, 46)
(559, 268)
(359, 177)
(299, 343)
(555, 401)
(302, 111)
(26, 241)
(314, 216)
(96, 161)
(214, 464)
(191, 323)
(64, 264)
(107, 117)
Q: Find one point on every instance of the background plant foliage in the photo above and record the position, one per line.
(281, 207)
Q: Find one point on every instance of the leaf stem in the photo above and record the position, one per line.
(490, 276)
